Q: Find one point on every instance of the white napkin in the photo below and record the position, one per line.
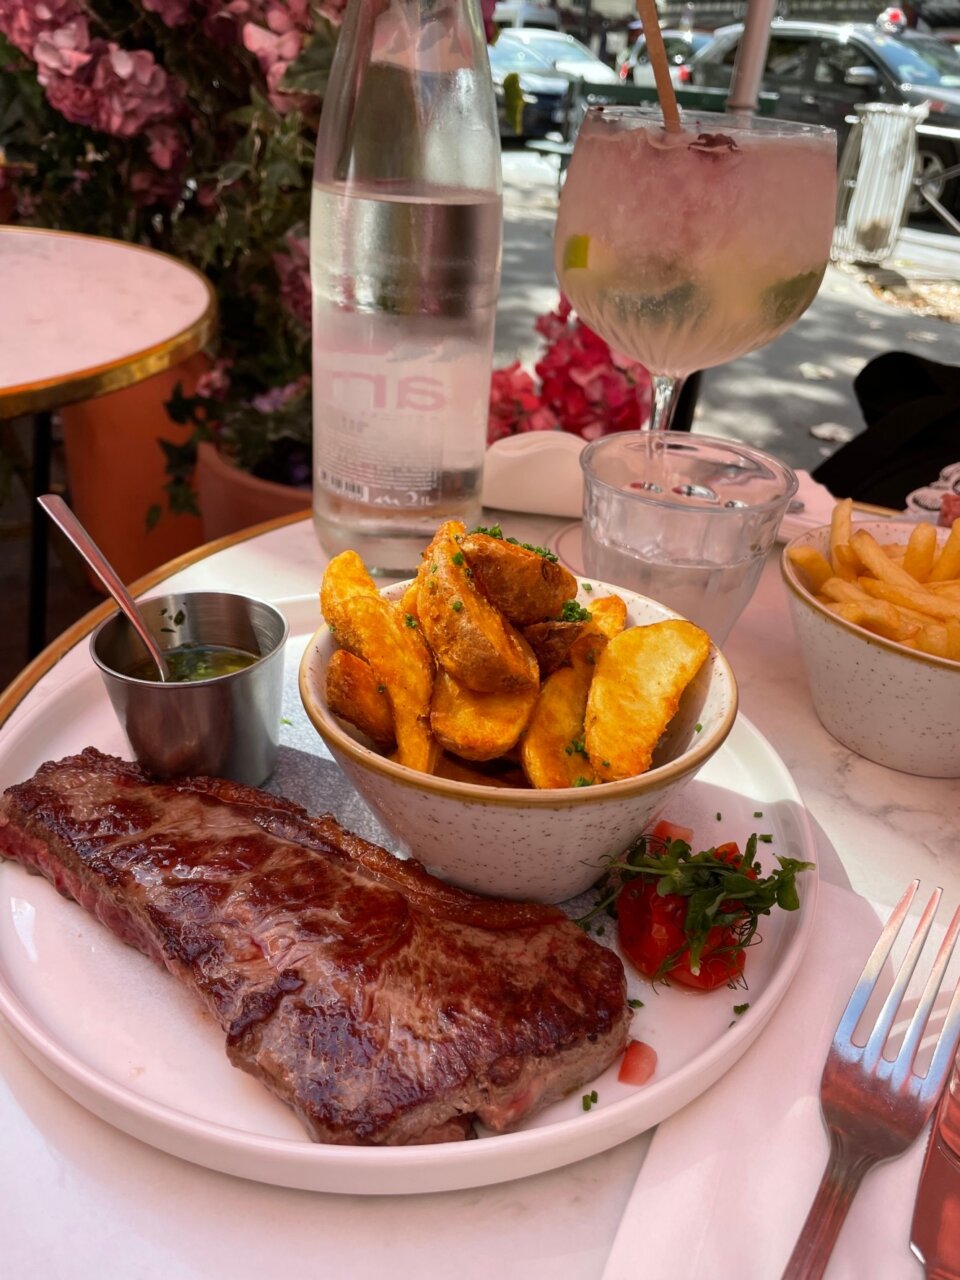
(727, 1182)
(537, 472)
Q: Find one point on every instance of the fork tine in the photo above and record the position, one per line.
(911, 1041)
(871, 970)
(873, 1049)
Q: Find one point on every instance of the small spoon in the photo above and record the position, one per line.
(61, 515)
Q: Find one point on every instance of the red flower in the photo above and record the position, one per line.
(585, 387)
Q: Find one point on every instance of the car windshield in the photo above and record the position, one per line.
(511, 55)
(922, 60)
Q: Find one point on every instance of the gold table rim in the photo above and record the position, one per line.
(113, 375)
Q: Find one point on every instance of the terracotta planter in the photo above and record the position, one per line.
(115, 470)
(231, 499)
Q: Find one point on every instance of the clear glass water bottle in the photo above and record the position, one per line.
(405, 242)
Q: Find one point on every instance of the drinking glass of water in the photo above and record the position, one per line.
(682, 518)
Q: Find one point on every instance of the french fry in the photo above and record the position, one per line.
(953, 638)
(930, 603)
(871, 556)
(947, 563)
(846, 562)
(812, 566)
(636, 689)
(878, 616)
(921, 551)
(842, 591)
(478, 726)
(841, 519)
(932, 639)
(354, 694)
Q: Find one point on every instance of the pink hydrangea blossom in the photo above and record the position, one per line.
(24, 23)
(97, 83)
(515, 405)
(215, 382)
(173, 13)
(165, 146)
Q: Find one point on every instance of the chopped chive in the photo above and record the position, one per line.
(456, 606)
(635, 1004)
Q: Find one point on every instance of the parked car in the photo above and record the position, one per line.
(635, 64)
(563, 53)
(513, 13)
(542, 89)
(821, 71)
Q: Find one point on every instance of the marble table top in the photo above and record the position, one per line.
(83, 314)
(82, 1199)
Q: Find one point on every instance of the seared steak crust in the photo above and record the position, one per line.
(381, 1004)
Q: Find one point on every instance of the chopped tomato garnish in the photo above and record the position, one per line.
(639, 1063)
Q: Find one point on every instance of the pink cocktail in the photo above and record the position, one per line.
(688, 249)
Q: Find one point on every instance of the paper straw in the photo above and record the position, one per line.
(647, 9)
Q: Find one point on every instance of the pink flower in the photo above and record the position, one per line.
(173, 13)
(23, 23)
(293, 271)
(215, 383)
(585, 388)
(274, 399)
(109, 88)
(63, 51)
(164, 146)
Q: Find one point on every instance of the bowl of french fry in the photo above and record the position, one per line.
(510, 726)
(876, 608)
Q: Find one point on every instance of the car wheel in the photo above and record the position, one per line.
(934, 158)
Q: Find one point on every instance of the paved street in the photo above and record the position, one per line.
(776, 396)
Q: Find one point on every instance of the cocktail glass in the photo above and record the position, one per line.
(687, 249)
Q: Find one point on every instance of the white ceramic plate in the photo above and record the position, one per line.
(126, 1041)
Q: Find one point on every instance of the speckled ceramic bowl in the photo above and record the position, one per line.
(881, 699)
(545, 846)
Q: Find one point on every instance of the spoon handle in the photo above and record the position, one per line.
(61, 515)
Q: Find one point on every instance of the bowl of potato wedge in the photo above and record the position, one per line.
(510, 726)
(876, 609)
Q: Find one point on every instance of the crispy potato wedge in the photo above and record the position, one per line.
(407, 604)
(461, 771)
(524, 585)
(636, 688)
(355, 694)
(478, 726)
(552, 748)
(608, 615)
(551, 641)
(370, 627)
(470, 637)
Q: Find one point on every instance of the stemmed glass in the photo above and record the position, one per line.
(687, 248)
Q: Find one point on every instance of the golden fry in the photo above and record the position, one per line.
(636, 689)
(552, 748)
(841, 590)
(840, 530)
(812, 566)
(871, 556)
(926, 602)
(470, 638)
(524, 585)
(608, 615)
(878, 616)
(947, 563)
(921, 551)
(478, 726)
(355, 695)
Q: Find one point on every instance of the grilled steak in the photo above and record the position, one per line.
(381, 1004)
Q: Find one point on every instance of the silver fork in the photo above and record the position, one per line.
(875, 1108)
